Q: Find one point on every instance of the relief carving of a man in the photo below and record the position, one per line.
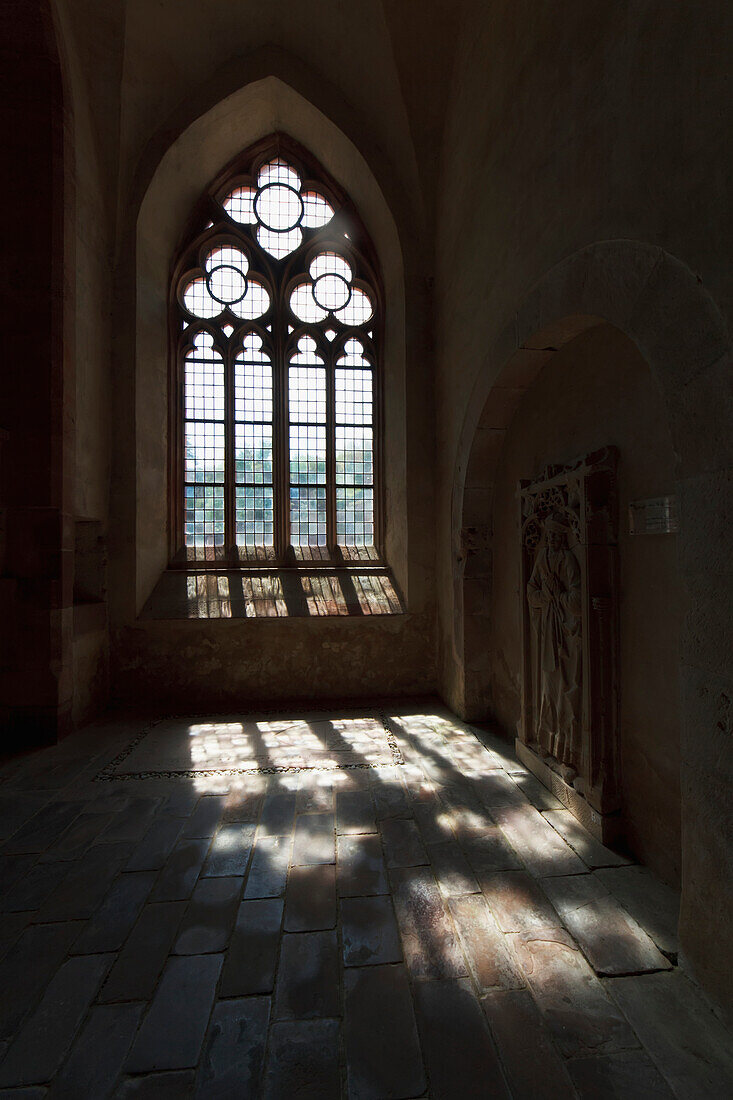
(554, 598)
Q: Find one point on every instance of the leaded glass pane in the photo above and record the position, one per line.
(307, 517)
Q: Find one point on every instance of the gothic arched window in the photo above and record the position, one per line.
(276, 322)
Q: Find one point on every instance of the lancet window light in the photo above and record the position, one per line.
(276, 322)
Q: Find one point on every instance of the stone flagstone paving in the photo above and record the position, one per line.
(436, 926)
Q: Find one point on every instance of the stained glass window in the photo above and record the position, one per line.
(276, 307)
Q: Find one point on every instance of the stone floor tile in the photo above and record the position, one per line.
(687, 1042)
(233, 1052)
(180, 871)
(490, 958)
(133, 822)
(369, 931)
(16, 809)
(12, 870)
(56, 774)
(12, 925)
(310, 901)
(500, 748)
(251, 959)
(181, 802)
(459, 1054)
(382, 1049)
(389, 797)
(37, 1052)
(157, 844)
(543, 851)
(531, 1064)
(173, 1030)
(35, 887)
(110, 926)
(205, 819)
(110, 801)
(158, 1086)
(655, 906)
(518, 902)
(99, 1053)
(278, 814)
(355, 812)
(76, 838)
(307, 977)
(360, 867)
(314, 839)
(28, 967)
(268, 871)
(403, 846)
(244, 807)
(35, 1092)
(43, 829)
(420, 790)
(497, 791)
(135, 974)
(590, 850)
(465, 809)
(303, 1061)
(611, 940)
(536, 792)
(428, 938)
(573, 1001)
(464, 820)
(209, 917)
(471, 759)
(451, 868)
(488, 851)
(438, 767)
(86, 884)
(230, 851)
(316, 797)
(630, 1074)
(434, 822)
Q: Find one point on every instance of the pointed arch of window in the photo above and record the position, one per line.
(276, 322)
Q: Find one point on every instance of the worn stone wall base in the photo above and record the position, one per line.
(604, 827)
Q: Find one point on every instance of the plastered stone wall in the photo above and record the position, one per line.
(597, 391)
(174, 667)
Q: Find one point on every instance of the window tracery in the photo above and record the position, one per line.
(276, 307)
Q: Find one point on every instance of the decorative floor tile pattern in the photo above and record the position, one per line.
(338, 905)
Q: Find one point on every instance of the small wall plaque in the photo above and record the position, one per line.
(657, 516)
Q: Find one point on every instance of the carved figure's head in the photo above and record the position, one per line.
(556, 530)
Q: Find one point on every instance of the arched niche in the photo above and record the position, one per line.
(597, 391)
(198, 154)
(661, 306)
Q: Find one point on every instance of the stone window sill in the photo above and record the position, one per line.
(276, 594)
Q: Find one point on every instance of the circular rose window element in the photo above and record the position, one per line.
(226, 284)
(331, 291)
(279, 207)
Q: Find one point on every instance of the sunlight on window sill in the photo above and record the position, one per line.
(180, 594)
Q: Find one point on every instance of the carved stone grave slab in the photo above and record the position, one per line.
(568, 731)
